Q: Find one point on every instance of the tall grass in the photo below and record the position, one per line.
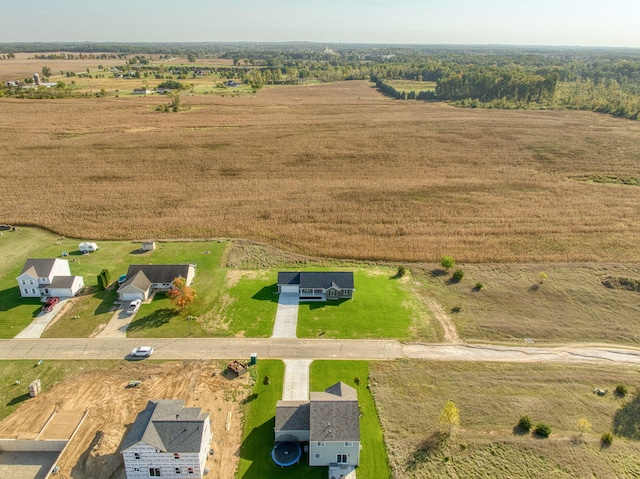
(333, 170)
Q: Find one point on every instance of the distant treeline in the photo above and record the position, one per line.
(599, 79)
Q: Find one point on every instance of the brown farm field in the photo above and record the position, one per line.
(24, 66)
(333, 170)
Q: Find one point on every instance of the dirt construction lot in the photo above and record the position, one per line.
(112, 408)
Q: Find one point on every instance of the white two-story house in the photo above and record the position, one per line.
(48, 278)
(167, 440)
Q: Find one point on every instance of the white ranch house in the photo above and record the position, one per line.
(318, 286)
(167, 440)
(43, 278)
(143, 279)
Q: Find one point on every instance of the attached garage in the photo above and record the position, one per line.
(289, 288)
(64, 286)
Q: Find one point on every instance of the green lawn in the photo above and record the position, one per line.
(259, 418)
(373, 457)
(247, 307)
(417, 86)
(382, 307)
(92, 308)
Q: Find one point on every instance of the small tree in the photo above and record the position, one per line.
(621, 390)
(606, 439)
(447, 262)
(542, 430)
(583, 426)
(525, 423)
(449, 418)
(457, 275)
(401, 271)
(542, 276)
(181, 294)
(175, 103)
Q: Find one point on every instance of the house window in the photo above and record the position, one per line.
(190, 470)
(33, 291)
(317, 455)
(24, 281)
(348, 444)
(176, 456)
(30, 281)
(154, 472)
(136, 455)
(332, 292)
(136, 469)
(342, 459)
(345, 292)
(26, 290)
(320, 444)
(178, 470)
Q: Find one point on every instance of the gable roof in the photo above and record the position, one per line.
(138, 280)
(292, 416)
(62, 282)
(160, 273)
(40, 268)
(318, 279)
(168, 426)
(334, 414)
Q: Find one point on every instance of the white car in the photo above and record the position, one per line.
(142, 352)
(134, 306)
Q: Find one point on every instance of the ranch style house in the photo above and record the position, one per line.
(45, 278)
(329, 422)
(143, 279)
(318, 286)
(167, 440)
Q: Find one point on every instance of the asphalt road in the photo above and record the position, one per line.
(274, 348)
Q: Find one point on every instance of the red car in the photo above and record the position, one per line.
(51, 302)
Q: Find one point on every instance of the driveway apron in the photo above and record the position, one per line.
(286, 316)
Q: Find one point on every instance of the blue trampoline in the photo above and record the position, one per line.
(286, 453)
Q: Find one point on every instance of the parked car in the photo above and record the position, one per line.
(134, 306)
(51, 302)
(142, 352)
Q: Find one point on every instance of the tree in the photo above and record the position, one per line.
(46, 72)
(181, 294)
(583, 426)
(175, 103)
(449, 418)
(447, 262)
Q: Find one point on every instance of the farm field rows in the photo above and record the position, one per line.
(333, 170)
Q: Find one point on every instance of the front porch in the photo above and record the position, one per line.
(341, 471)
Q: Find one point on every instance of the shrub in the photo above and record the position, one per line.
(621, 390)
(456, 309)
(525, 423)
(356, 380)
(447, 262)
(401, 271)
(479, 285)
(606, 439)
(266, 381)
(542, 430)
(457, 275)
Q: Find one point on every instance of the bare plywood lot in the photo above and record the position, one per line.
(335, 170)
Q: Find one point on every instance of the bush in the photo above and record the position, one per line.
(266, 381)
(457, 275)
(542, 430)
(447, 262)
(479, 285)
(606, 439)
(356, 380)
(621, 390)
(401, 271)
(525, 423)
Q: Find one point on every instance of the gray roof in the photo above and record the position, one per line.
(324, 280)
(334, 414)
(61, 282)
(138, 280)
(168, 426)
(292, 416)
(40, 268)
(160, 273)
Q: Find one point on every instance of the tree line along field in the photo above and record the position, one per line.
(334, 170)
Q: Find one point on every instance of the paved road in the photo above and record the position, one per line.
(238, 348)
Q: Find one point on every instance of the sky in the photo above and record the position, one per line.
(610, 23)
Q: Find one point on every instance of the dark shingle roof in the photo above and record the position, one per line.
(168, 426)
(62, 282)
(334, 414)
(292, 416)
(139, 280)
(41, 267)
(311, 279)
(160, 273)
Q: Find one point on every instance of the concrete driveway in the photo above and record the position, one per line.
(38, 325)
(286, 316)
(296, 380)
(118, 324)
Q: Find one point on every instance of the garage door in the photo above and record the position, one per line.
(288, 288)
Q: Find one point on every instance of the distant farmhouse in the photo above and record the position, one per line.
(167, 440)
(143, 279)
(47, 278)
(319, 286)
(329, 422)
